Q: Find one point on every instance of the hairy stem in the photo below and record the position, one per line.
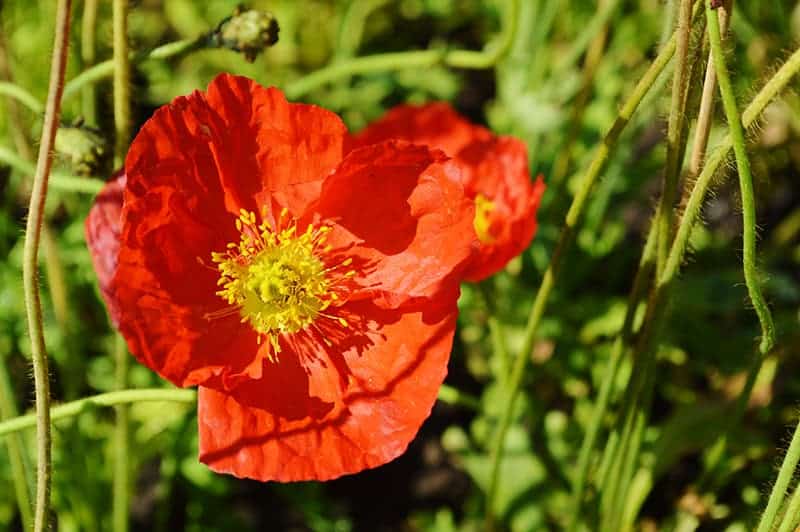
(785, 475)
(706, 113)
(33, 305)
(664, 214)
(751, 275)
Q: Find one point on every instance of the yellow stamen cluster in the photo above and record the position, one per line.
(275, 278)
(483, 207)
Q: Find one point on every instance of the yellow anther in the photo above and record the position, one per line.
(481, 222)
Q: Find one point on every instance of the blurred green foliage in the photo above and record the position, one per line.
(439, 484)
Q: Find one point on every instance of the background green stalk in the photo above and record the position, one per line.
(33, 305)
(595, 169)
(420, 59)
(122, 125)
(74, 408)
(677, 115)
(88, 58)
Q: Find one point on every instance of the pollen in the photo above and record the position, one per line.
(275, 277)
(482, 223)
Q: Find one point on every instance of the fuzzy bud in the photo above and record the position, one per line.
(248, 31)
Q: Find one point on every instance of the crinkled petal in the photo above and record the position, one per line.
(401, 212)
(331, 415)
(102, 229)
(191, 168)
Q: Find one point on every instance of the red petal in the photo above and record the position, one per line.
(435, 124)
(498, 169)
(337, 415)
(102, 228)
(192, 166)
(407, 213)
(495, 167)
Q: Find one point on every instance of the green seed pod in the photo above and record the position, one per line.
(248, 31)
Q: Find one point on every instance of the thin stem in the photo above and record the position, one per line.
(664, 214)
(486, 58)
(88, 58)
(574, 214)
(590, 64)
(774, 86)
(24, 97)
(69, 183)
(74, 408)
(706, 113)
(792, 516)
(105, 70)
(33, 305)
(122, 128)
(122, 68)
(785, 474)
(751, 275)
(120, 496)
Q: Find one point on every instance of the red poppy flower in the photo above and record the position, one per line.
(311, 295)
(495, 173)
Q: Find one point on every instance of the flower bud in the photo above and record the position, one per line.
(84, 148)
(248, 31)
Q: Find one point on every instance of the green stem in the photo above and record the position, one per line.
(88, 58)
(706, 113)
(640, 284)
(574, 214)
(74, 408)
(69, 183)
(418, 59)
(785, 475)
(122, 68)
(122, 128)
(751, 275)
(105, 69)
(774, 86)
(664, 214)
(120, 496)
(24, 97)
(33, 305)
(792, 516)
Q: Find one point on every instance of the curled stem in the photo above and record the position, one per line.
(751, 275)
(33, 305)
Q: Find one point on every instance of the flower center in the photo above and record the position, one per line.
(275, 278)
(483, 208)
